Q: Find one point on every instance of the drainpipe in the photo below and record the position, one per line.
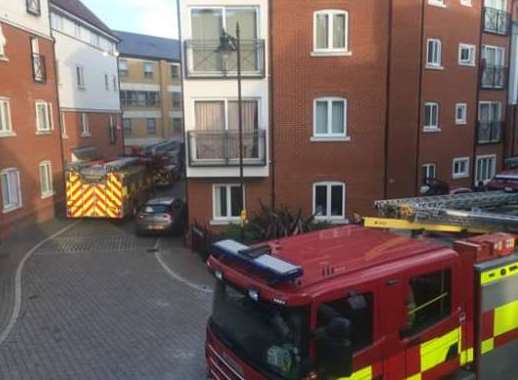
(269, 76)
(479, 79)
(387, 97)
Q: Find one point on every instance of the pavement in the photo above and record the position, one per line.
(99, 303)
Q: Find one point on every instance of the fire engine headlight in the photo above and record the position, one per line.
(253, 294)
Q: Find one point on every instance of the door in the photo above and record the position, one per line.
(431, 331)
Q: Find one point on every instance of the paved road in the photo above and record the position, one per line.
(97, 304)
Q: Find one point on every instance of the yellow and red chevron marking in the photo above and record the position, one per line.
(499, 327)
(94, 200)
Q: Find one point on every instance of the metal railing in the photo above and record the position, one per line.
(489, 132)
(33, 7)
(39, 68)
(493, 77)
(204, 59)
(221, 148)
(496, 21)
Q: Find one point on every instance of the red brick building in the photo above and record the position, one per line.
(367, 99)
(30, 148)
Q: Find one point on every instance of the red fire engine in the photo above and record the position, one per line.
(358, 303)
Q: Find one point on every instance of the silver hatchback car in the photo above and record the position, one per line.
(161, 215)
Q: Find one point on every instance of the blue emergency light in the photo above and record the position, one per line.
(259, 260)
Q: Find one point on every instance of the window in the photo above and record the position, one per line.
(46, 182)
(460, 167)
(123, 68)
(43, 117)
(95, 39)
(329, 201)
(357, 309)
(431, 116)
(11, 189)
(77, 30)
(330, 29)
(148, 70)
(227, 202)
(466, 3)
(3, 42)
(63, 125)
(126, 124)
(56, 21)
(176, 101)
(106, 82)
(496, 4)
(489, 122)
(6, 128)
(33, 7)
(151, 126)
(85, 128)
(176, 122)
(112, 131)
(437, 3)
(485, 169)
(493, 56)
(330, 117)
(467, 54)
(428, 171)
(219, 115)
(80, 77)
(429, 301)
(433, 53)
(461, 113)
(175, 72)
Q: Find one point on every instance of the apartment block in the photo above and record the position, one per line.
(356, 101)
(151, 91)
(88, 83)
(31, 167)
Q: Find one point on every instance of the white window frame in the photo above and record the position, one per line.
(330, 35)
(464, 119)
(500, 55)
(328, 217)
(466, 3)
(225, 102)
(41, 128)
(465, 173)
(57, 22)
(493, 168)
(147, 64)
(226, 219)
(436, 127)
(329, 136)
(3, 43)
(84, 125)
(490, 102)
(437, 3)
(428, 166)
(17, 187)
(6, 118)
(49, 191)
(438, 64)
(503, 8)
(80, 77)
(472, 54)
(64, 125)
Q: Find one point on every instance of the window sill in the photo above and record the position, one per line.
(436, 4)
(4, 59)
(332, 221)
(461, 123)
(432, 130)
(9, 209)
(460, 176)
(7, 134)
(467, 64)
(433, 67)
(322, 53)
(44, 132)
(330, 139)
(224, 222)
(85, 135)
(47, 195)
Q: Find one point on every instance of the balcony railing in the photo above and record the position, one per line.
(493, 77)
(33, 7)
(221, 148)
(489, 132)
(39, 68)
(496, 21)
(205, 60)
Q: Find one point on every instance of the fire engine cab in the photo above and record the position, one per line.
(358, 303)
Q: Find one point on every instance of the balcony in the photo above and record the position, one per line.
(33, 7)
(496, 21)
(493, 77)
(39, 68)
(204, 60)
(221, 148)
(489, 132)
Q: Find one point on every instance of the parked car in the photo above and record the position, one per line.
(161, 215)
(507, 180)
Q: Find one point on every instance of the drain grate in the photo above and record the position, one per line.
(85, 244)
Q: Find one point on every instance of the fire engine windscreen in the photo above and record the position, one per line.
(270, 337)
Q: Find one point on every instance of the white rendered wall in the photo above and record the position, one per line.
(15, 13)
(194, 89)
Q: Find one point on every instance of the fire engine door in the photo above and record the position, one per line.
(431, 332)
